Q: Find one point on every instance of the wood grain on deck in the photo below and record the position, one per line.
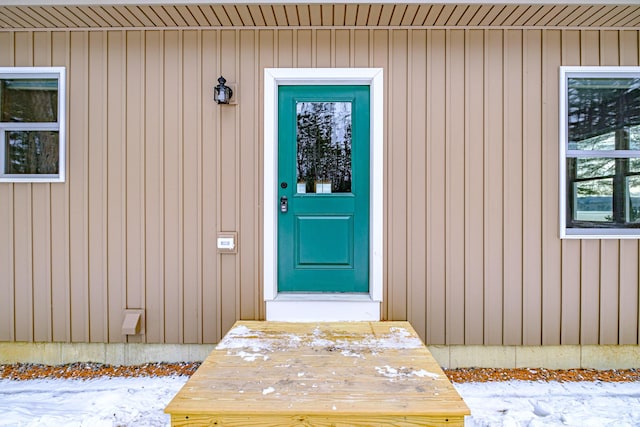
(319, 374)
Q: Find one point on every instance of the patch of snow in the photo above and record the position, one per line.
(241, 337)
(76, 403)
(251, 357)
(402, 372)
(268, 390)
(241, 331)
(129, 402)
(579, 404)
(321, 342)
(400, 331)
(422, 373)
(398, 338)
(349, 353)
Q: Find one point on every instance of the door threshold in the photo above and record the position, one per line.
(323, 307)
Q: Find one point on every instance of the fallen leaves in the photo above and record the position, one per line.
(463, 375)
(29, 371)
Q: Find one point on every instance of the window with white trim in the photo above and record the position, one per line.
(600, 152)
(32, 124)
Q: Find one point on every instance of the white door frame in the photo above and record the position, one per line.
(322, 306)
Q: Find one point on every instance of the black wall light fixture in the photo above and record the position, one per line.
(222, 93)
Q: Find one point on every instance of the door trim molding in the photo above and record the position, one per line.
(277, 305)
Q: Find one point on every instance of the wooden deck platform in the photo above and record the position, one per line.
(319, 374)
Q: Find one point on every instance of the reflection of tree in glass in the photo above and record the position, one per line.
(324, 144)
(29, 100)
(598, 107)
(33, 152)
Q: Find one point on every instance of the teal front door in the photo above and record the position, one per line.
(323, 189)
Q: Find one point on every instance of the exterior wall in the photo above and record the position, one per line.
(155, 169)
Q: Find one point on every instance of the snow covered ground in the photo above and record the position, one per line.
(120, 402)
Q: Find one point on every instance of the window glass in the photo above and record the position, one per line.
(29, 100)
(324, 147)
(594, 168)
(633, 200)
(594, 200)
(31, 152)
(603, 113)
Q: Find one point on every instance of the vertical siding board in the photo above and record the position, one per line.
(379, 57)
(493, 191)
(455, 183)
(210, 287)
(7, 303)
(474, 188)
(629, 259)
(322, 47)
(248, 189)
(154, 186)
(259, 178)
(264, 57)
(41, 199)
(609, 292)
(97, 187)
(60, 292)
(116, 176)
(629, 279)
(60, 225)
(551, 250)
(228, 190)
(609, 249)
(513, 186)
(342, 48)
(397, 162)
(173, 196)
(361, 48)
(532, 188)
(419, 308)
(23, 232)
(191, 189)
(23, 259)
(285, 48)
(590, 249)
(135, 173)
(78, 186)
(304, 50)
(590, 295)
(437, 298)
(570, 326)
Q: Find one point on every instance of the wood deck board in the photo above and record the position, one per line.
(354, 373)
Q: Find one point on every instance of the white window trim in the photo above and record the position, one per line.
(585, 71)
(58, 73)
(322, 307)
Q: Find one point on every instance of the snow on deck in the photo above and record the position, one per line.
(362, 373)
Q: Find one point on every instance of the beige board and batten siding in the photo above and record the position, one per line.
(156, 169)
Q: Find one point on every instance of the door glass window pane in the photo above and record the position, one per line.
(324, 147)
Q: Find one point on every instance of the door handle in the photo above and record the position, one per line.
(284, 204)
